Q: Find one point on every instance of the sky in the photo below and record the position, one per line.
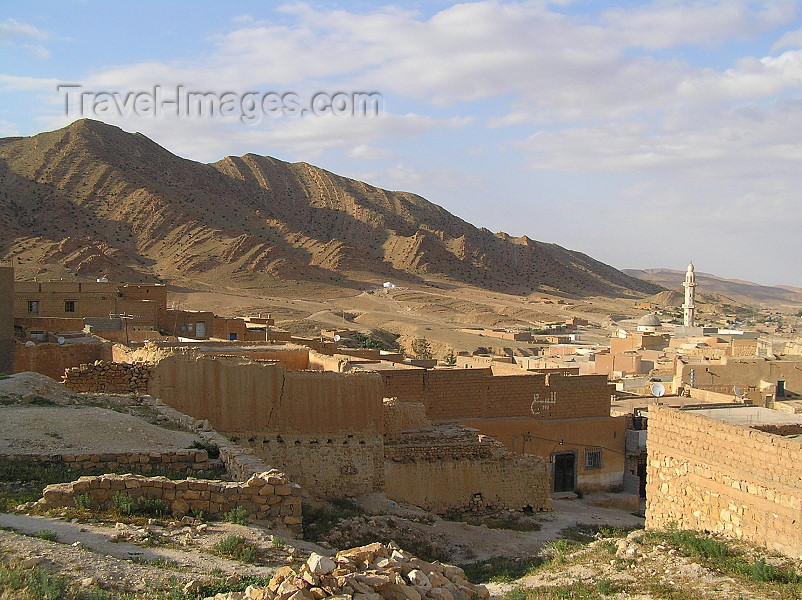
(645, 134)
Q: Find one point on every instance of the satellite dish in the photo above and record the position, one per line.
(60, 340)
(737, 391)
(337, 338)
(658, 390)
(29, 344)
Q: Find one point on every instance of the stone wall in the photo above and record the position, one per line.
(240, 462)
(53, 359)
(457, 469)
(139, 462)
(331, 465)
(109, 377)
(707, 475)
(267, 496)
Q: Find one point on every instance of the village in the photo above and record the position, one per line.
(692, 426)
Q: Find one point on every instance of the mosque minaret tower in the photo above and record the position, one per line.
(689, 308)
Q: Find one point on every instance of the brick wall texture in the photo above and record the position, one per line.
(707, 475)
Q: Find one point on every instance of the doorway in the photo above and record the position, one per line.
(781, 389)
(564, 472)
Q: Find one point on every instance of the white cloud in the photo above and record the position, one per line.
(367, 152)
(16, 33)
(11, 29)
(15, 83)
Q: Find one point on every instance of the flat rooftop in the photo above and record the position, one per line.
(749, 415)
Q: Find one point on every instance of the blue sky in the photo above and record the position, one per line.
(645, 134)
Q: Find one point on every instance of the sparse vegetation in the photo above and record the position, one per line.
(47, 534)
(238, 515)
(422, 349)
(236, 547)
(125, 505)
(318, 521)
(500, 569)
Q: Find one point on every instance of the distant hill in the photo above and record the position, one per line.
(90, 200)
(744, 292)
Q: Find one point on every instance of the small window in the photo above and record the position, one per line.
(33, 306)
(69, 306)
(593, 458)
(38, 335)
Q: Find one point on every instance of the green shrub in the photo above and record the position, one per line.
(236, 547)
(151, 507)
(83, 501)
(12, 577)
(44, 586)
(606, 587)
(123, 503)
(238, 515)
(47, 534)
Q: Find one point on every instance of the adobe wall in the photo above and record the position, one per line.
(400, 416)
(711, 397)
(267, 495)
(237, 394)
(53, 359)
(457, 479)
(707, 475)
(322, 428)
(548, 438)
(6, 319)
(49, 324)
(108, 377)
(744, 373)
(91, 299)
(476, 393)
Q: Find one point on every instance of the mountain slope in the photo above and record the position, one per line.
(91, 199)
(742, 291)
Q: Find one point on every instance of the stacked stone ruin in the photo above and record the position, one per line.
(266, 496)
(109, 377)
(373, 572)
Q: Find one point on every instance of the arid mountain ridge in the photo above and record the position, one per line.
(744, 292)
(91, 199)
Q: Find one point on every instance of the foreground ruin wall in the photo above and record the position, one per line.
(707, 475)
(324, 429)
(267, 496)
(53, 359)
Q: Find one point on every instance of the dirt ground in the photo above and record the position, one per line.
(83, 429)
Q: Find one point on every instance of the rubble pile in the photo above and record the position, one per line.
(373, 572)
(362, 529)
(109, 377)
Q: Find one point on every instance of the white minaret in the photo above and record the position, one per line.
(689, 308)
